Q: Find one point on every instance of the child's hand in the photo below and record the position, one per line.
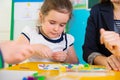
(59, 56)
(42, 51)
(14, 52)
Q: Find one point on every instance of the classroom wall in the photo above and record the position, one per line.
(5, 19)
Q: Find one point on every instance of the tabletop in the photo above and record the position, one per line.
(62, 73)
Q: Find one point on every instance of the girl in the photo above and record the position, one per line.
(49, 40)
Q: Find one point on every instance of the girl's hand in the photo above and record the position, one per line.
(14, 52)
(59, 56)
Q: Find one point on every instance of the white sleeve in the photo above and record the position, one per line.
(70, 39)
(27, 32)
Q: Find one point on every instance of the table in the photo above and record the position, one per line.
(56, 75)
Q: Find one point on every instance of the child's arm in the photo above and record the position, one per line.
(39, 49)
(42, 50)
(71, 56)
(14, 52)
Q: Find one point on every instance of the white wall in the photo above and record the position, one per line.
(5, 19)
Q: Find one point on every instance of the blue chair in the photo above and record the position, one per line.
(77, 26)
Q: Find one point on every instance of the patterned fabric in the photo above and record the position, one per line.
(117, 26)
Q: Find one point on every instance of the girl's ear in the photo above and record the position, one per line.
(41, 17)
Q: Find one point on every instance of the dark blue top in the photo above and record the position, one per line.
(101, 16)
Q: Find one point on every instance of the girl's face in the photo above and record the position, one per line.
(54, 23)
(115, 1)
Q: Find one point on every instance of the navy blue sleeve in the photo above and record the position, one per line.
(1, 60)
